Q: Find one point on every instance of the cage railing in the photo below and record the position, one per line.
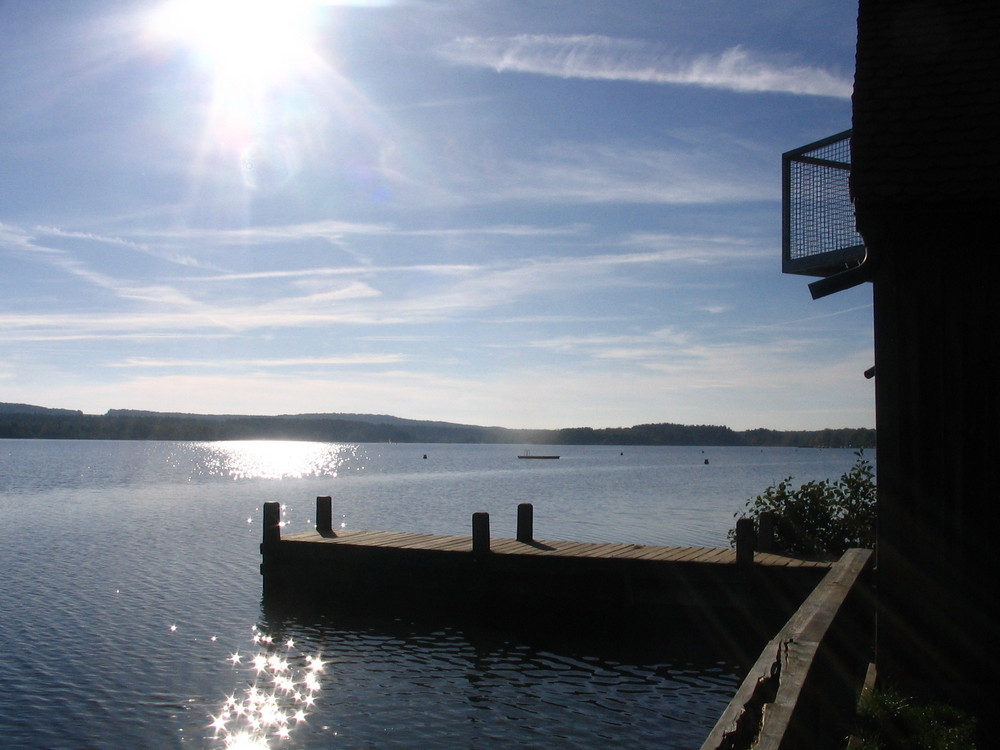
(819, 237)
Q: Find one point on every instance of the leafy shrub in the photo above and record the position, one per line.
(890, 721)
(821, 516)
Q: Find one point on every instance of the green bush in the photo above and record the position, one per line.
(820, 517)
(890, 721)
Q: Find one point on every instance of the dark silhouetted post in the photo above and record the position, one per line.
(324, 515)
(765, 531)
(480, 533)
(525, 522)
(272, 525)
(745, 539)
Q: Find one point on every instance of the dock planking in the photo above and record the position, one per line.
(545, 548)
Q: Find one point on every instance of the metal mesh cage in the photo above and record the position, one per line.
(819, 237)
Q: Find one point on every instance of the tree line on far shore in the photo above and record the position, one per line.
(20, 421)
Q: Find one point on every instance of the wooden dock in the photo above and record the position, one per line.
(404, 571)
(545, 548)
(800, 685)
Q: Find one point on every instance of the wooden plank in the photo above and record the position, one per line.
(644, 552)
(771, 560)
(690, 554)
(512, 547)
(572, 549)
(536, 548)
(438, 542)
(608, 550)
(715, 556)
(345, 536)
(556, 548)
(631, 551)
(409, 541)
(667, 554)
(542, 547)
(363, 537)
(790, 654)
(389, 539)
(726, 555)
(442, 543)
(299, 536)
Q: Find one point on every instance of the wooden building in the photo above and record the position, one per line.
(925, 183)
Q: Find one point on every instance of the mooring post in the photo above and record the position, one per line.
(745, 540)
(324, 515)
(525, 522)
(272, 526)
(480, 533)
(765, 531)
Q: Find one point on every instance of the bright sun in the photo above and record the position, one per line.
(249, 46)
(265, 74)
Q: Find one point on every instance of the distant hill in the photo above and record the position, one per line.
(26, 421)
(29, 409)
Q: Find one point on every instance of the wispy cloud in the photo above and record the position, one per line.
(610, 59)
(694, 362)
(223, 364)
(234, 304)
(268, 234)
(588, 173)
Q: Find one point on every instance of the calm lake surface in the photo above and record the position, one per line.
(131, 612)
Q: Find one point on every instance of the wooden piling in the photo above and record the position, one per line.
(525, 523)
(324, 515)
(272, 525)
(480, 533)
(745, 541)
(765, 531)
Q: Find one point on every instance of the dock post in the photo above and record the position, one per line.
(272, 526)
(745, 541)
(765, 531)
(525, 523)
(480, 533)
(324, 515)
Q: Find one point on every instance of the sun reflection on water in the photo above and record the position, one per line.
(282, 685)
(276, 459)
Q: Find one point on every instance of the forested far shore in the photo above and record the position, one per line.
(20, 421)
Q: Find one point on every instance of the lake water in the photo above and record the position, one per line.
(131, 613)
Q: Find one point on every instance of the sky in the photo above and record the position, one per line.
(530, 214)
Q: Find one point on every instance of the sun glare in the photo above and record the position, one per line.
(277, 459)
(266, 77)
(251, 44)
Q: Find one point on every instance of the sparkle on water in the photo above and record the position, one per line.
(277, 459)
(281, 685)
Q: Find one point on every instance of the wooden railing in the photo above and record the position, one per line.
(803, 689)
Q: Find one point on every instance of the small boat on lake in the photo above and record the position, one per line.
(529, 454)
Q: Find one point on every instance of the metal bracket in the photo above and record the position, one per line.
(852, 277)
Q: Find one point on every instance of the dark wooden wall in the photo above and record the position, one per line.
(926, 185)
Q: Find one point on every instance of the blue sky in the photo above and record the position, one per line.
(528, 214)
